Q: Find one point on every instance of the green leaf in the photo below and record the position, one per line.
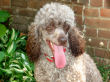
(23, 37)
(23, 56)
(13, 34)
(1, 45)
(14, 81)
(7, 71)
(32, 66)
(26, 78)
(18, 70)
(14, 61)
(26, 64)
(12, 47)
(4, 15)
(2, 30)
(14, 66)
(2, 55)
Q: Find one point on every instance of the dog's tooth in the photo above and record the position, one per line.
(51, 44)
(51, 56)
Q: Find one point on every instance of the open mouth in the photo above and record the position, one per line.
(58, 53)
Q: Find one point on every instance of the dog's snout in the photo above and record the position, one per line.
(62, 40)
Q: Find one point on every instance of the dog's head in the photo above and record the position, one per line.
(60, 33)
(55, 24)
(56, 33)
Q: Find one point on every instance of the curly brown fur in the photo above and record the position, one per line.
(33, 43)
(77, 43)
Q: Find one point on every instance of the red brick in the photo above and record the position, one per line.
(105, 12)
(99, 23)
(26, 12)
(37, 3)
(91, 12)
(33, 4)
(92, 22)
(102, 53)
(107, 3)
(104, 34)
(96, 43)
(79, 20)
(14, 11)
(96, 3)
(5, 2)
(78, 10)
(91, 32)
(104, 23)
(0, 3)
(19, 3)
(21, 20)
(75, 1)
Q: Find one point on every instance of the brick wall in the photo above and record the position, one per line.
(23, 11)
(92, 16)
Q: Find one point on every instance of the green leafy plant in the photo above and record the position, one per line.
(14, 63)
(105, 71)
(103, 68)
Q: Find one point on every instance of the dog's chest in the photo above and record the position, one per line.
(46, 71)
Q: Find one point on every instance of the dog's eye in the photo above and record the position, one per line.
(50, 29)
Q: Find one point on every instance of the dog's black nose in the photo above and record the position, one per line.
(62, 40)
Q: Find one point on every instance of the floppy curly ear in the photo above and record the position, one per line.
(33, 43)
(76, 42)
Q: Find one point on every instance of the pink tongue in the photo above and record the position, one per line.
(59, 56)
